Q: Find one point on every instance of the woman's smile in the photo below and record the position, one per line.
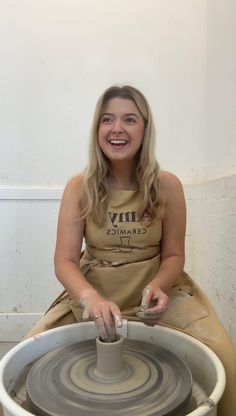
(118, 142)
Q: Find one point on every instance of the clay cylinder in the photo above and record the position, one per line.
(109, 359)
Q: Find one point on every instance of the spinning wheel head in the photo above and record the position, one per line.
(127, 377)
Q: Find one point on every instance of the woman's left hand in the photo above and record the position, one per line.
(154, 303)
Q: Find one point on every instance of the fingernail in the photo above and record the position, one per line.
(119, 322)
(85, 315)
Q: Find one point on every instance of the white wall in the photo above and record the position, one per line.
(212, 202)
(27, 237)
(220, 144)
(57, 56)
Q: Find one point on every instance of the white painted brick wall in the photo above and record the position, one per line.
(212, 215)
(28, 220)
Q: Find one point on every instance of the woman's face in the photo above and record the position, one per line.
(121, 129)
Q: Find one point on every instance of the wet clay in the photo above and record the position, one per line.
(127, 377)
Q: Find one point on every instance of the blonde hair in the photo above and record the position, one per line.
(94, 193)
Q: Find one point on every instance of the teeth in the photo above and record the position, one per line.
(118, 141)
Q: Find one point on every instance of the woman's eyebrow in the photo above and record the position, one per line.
(131, 114)
(124, 115)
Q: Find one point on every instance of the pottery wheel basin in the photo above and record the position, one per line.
(127, 377)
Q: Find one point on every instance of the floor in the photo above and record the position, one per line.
(5, 347)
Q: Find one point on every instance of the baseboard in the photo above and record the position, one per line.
(14, 326)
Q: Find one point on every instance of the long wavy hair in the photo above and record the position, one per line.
(96, 177)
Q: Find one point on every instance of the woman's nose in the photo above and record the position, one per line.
(117, 127)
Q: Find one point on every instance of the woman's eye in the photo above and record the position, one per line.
(106, 120)
(130, 120)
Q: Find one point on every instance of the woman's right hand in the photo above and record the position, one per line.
(106, 314)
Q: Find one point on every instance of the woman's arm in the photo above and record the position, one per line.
(67, 263)
(155, 299)
(70, 232)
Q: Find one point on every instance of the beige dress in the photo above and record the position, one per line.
(119, 260)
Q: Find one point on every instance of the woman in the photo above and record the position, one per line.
(132, 216)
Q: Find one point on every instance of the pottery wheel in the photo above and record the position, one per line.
(69, 382)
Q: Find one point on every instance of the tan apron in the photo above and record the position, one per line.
(120, 259)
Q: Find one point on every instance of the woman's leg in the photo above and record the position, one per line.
(191, 312)
(211, 332)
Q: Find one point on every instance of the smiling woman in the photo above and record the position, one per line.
(122, 112)
(132, 216)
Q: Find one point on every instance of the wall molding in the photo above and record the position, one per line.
(55, 193)
(35, 193)
(30, 193)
